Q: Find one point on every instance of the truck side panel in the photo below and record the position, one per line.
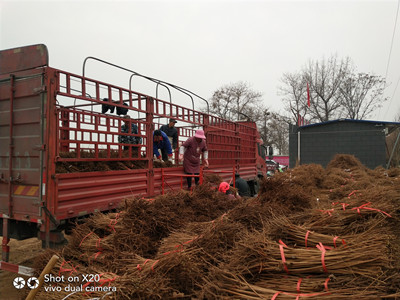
(21, 106)
(23, 58)
(79, 194)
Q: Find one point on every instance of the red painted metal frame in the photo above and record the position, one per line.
(173, 183)
(71, 120)
(223, 172)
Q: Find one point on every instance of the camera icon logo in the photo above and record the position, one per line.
(19, 283)
(32, 283)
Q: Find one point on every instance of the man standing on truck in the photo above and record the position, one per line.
(190, 152)
(129, 139)
(170, 130)
(161, 141)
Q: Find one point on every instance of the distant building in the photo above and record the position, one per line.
(319, 143)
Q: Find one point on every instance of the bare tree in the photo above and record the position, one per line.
(279, 130)
(232, 101)
(361, 94)
(294, 93)
(325, 78)
(264, 127)
(235, 101)
(335, 91)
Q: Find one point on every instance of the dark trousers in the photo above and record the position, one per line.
(164, 155)
(189, 180)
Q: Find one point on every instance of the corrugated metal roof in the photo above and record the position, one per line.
(353, 121)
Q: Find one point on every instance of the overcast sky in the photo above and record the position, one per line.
(202, 45)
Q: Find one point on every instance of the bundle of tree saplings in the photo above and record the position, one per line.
(310, 233)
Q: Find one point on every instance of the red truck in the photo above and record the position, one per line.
(50, 117)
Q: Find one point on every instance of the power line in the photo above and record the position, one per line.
(390, 102)
(390, 54)
(391, 44)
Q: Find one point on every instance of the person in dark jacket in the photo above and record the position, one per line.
(122, 110)
(129, 139)
(105, 107)
(242, 186)
(161, 141)
(170, 130)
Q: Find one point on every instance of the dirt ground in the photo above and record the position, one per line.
(21, 253)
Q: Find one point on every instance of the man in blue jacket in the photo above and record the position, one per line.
(161, 141)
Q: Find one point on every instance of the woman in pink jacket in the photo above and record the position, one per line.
(190, 152)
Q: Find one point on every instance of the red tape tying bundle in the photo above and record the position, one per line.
(190, 241)
(323, 251)
(334, 241)
(342, 203)
(222, 217)
(283, 256)
(298, 295)
(98, 246)
(95, 255)
(85, 238)
(71, 271)
(152, 266)
(283, 244)
(179, 249)
(365, 206)
(326, 284)
(308, 232)
(327, 211)
(62, 270)
(113, 222)
(275, 295)
(139, 267)
(298, 285)
(103, 281)
(353, 192)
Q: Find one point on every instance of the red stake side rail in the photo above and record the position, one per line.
(49, 116)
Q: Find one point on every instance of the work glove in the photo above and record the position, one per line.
(158, 159)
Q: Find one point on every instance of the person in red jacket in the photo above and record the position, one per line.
(190, 153)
